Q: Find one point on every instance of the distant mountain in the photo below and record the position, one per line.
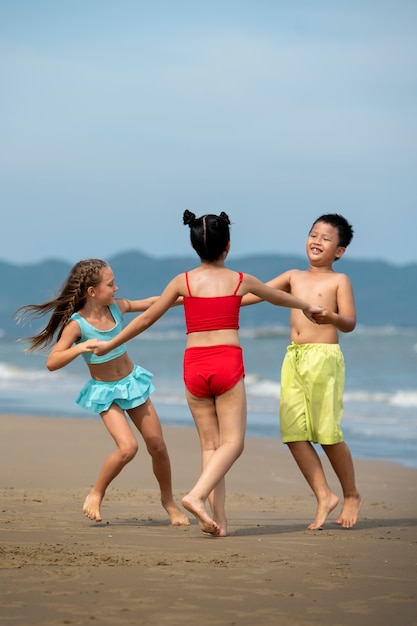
(385, 294)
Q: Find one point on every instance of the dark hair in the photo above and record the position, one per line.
(209, 234)
(344, 229)
(71, 298)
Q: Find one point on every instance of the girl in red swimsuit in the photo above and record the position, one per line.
(213, 364)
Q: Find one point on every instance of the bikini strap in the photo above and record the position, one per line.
(188, 285)
(239, 283)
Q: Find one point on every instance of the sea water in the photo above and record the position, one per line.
(380, 401)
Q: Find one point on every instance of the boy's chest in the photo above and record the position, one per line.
(316, 289)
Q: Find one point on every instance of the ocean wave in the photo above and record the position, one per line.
(264, 332)
(256, 386)
(404, 398)
(383, 331)
(271, 331)
(10, 372)
(160, 335)
(18, 378)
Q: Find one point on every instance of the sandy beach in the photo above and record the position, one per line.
(58, 567)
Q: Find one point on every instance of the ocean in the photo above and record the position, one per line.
(380, 401)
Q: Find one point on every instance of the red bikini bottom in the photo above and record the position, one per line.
(210, 371)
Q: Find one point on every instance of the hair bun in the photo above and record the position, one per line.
(224, 217)
(188, 218)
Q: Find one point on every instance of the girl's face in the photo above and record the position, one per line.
(323, 244)
(104, 292)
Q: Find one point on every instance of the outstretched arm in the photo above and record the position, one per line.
(140, 323)
(281, 282)
(279, 297)
(137, 306)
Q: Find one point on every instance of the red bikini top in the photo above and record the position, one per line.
(218, 313)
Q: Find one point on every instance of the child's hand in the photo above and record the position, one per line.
(311, 313)
(101, 347)
(324, 317)
(89, 345)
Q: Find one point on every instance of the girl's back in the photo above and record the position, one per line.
(212, 281)
(212, 306)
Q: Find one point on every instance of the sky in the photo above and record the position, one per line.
(117, 115)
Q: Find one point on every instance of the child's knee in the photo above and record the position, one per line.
(156, 446)
(129, 451)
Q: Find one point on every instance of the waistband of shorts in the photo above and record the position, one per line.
(305, 347)
(220, 347)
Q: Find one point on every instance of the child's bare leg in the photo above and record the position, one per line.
(221, 426)
(194, 501)
(146, 420)
(310, 465)
(341, 460)
(217, 497)
(116, 423)
(217, 501)
(162, 470)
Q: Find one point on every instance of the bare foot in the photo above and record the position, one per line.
(323, 509)
(196, 507)
(350, 512)
(91, 506)
(222, 529)
(177, 517)
(221, 522)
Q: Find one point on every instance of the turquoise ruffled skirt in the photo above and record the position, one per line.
(127, 393)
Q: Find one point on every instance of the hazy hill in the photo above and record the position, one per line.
(386, 294)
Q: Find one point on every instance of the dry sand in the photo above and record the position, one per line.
(58, 567)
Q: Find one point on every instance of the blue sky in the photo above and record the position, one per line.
(115, 116)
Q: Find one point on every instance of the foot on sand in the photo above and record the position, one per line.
(324, 507)
(350, 512)
(91, 507)
(177, 517)
(196, 507)
(222, 529)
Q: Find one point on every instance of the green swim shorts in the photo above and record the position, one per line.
(311, 399)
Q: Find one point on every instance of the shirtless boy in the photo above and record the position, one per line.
(313, 370)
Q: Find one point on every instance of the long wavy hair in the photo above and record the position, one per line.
(72, 297)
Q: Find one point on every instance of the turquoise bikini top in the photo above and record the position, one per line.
(89, 332)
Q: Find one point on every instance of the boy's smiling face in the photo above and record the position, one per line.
(322, 245)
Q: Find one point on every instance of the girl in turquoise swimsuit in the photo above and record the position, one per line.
(85, 312)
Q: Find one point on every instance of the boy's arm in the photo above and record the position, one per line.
(281, 282)
(344, 318)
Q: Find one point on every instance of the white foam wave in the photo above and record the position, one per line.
(14, 373)
(367, 396)
(404, 398)
(15, 377)
(264, 388)
(382, 331)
